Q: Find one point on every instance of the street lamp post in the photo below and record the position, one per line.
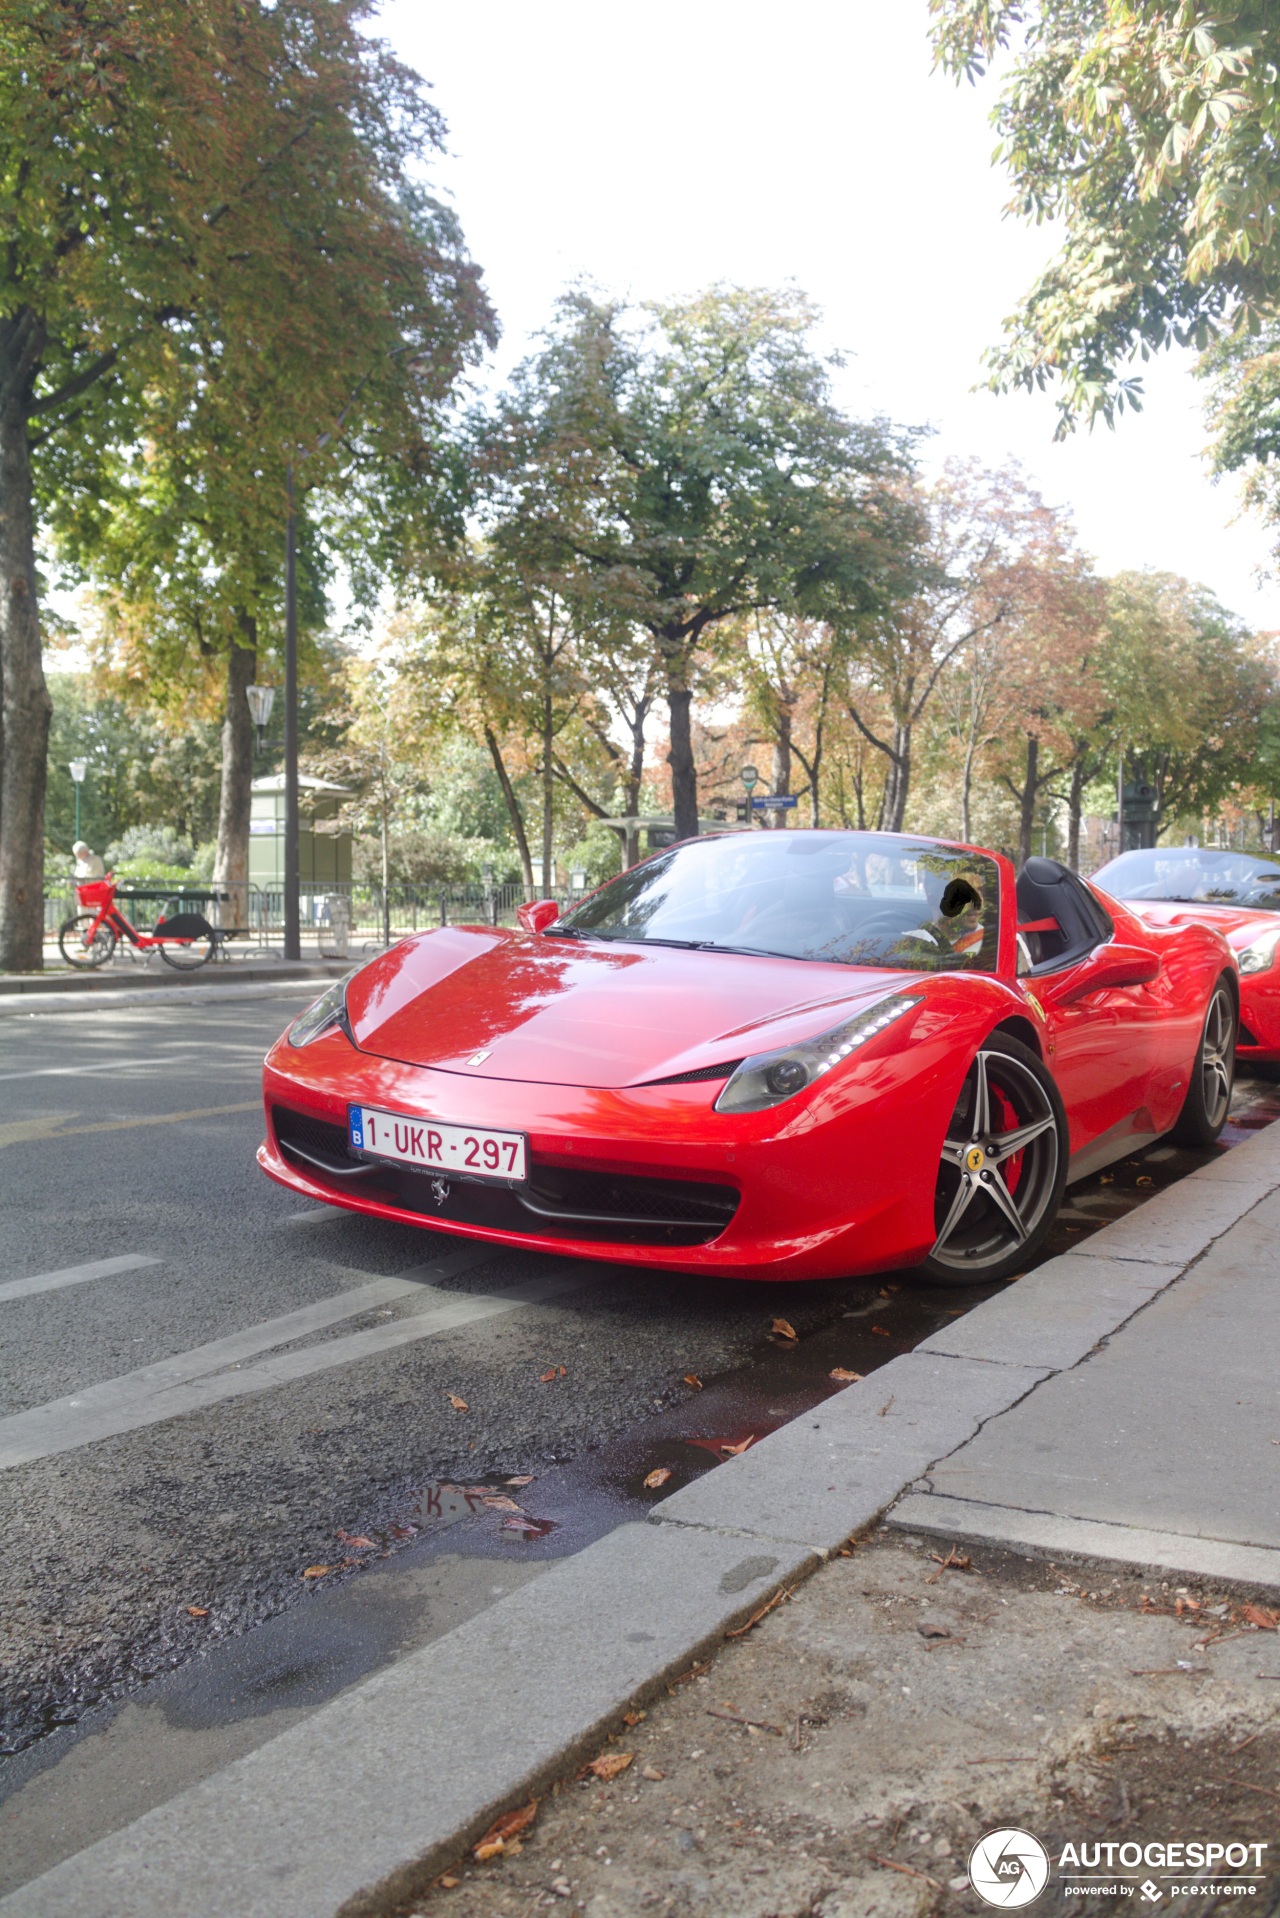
(292, 930)
(78, 768)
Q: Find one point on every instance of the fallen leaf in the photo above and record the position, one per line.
(526, 1480)
(198, 1611)
(503, 1505)
(317, 1571)
(459, 1405)
(564, 1371)
(1144, 1180)
(501, 1832)
(882, 1331)
(633, 1718)
(449, 1882)
(360, 1544)
(784, 1329)
(658, 1477)
(610, 1765)
(652, 1773)
(732, 1451)
(928, 1629)
(546, 1377)
(843, 1373)
(691, 1378)
(1257, 1615)
(402, 1531)
(530, 1527)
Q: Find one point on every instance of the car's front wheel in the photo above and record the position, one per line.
(1003, 1168)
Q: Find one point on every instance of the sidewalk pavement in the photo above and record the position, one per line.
(67, 991)
(1119, 1405)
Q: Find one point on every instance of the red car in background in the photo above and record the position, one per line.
(779, 1054)
(1237, 895)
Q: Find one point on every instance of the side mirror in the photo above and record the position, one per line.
(1110, 967)
(538, 914)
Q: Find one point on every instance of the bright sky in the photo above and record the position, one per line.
(658, 148)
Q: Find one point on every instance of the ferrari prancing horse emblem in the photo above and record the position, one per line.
(975, 1158)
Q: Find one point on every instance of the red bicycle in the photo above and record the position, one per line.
(89, 938)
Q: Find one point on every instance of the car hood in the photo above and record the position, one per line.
(1237, 924)
(509, 1005)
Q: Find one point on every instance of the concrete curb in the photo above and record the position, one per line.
(1050, 1535)
(373, 1794)
(24, 983)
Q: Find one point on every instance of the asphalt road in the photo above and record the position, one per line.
(208, 1391)
(196, 1431)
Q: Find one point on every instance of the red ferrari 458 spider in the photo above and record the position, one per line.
(1239, 896)
(768, 1055)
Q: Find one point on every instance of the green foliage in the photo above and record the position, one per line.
(141, 772)
(1151, 134)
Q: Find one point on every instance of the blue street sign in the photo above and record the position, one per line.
(774, 802)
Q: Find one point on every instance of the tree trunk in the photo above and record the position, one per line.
(781, 756)
(231, 860)
(635, 779)
(548, 734)
(893, 806)
(966, 789)
(684, 775)
(1075, 805)
(513, 811)
(1027, 818)
(25, 705)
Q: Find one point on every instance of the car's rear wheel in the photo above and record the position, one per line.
(1208, 1100)
(1004, 1165)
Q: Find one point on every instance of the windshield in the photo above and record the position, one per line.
(848, 898)
(1195, 875)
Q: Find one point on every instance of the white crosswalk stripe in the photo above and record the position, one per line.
(191, 1380)
(74, 1275)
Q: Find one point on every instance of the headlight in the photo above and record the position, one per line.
(330, 1009)
(770, 1077)
(1259, 953)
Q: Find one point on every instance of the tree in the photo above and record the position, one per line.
(987, 534)
(208, 219)
(1148, 131)
(1187, 686)
(687, 467)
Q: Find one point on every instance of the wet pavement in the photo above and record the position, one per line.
(464, 1520)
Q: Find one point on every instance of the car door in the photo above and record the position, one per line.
(1102, 1003)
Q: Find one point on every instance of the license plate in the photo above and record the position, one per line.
(475, 1152)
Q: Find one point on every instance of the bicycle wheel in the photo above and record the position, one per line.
(78, 949)
(184, 955)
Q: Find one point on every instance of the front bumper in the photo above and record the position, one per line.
(813, 1198)
(1260, 1016)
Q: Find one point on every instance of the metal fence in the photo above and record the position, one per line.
(408, 909)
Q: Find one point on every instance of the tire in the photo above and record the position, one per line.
(998, 1228)
(184, 955)
(71, 942)
(1208, 1101)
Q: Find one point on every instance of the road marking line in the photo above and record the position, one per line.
(184, 1383)
(26, 1129)
(109, 1065)
(74, 1275)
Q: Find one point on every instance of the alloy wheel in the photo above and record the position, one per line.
(999, 1169)
(1217, 1058)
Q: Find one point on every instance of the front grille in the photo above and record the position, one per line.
(625, 1197)
(558, 1201)
(315, 1136)
(724, 1071)
(1246, 1038)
